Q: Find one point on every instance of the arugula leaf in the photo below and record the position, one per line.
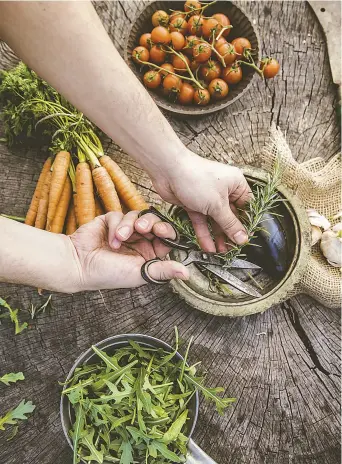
(12, 377)
(13, 314)
(126, 453)
(78, 426)
(88, 441)
(19, 413)
(175, 429)
(164, 451)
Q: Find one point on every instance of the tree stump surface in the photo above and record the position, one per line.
(283, 365)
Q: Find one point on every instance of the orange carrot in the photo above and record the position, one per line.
(62, 208)
(43, 203)
(71, 224)
(59, 174)
(105, 189)
(126, 190)
(98, 207)
(32, 211)
(85, 194)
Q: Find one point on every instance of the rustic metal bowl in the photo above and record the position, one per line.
(110, 345)
(242, 27)
(296, 227)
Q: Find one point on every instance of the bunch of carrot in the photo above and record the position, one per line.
(66, 198)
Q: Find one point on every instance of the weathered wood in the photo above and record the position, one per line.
(283, 365)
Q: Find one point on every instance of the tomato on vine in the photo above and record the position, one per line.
(210, 28)
(180, 63)
(160, 18)
(241, 44)
(140, 54)
(201, 97)
(224, 21)
(195, 24)
(202, 52)
(179, 24)
(145, 40)
(210, 70)
(186, 94)
(172, 83)
(192, 6)
(177, 40)
(218, 89)
(269, 67)
(232, 74)
(228, 53)
(152, 79)
(157, 54)
(160, 35)
(166, 67)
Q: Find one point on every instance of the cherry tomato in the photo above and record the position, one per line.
(194, 66)
(172, 83)
(160, 18)
(140, 54)
(179, 25)
(269, 67)
(224, 21)
(190, 42)
(220, 42)
(202, 52)
(211, 27)
(228, 53)
(179, 64)
(167, 67)
(160, 35)
(240, 44)
(232, 74)
(177, 14)
(157, 54)
(186, 94)
(191, 5)
(145, 40)
(201, 97)
(195, 25)
(152, 79)
(210, 70)
(177, 40)
(218, 89)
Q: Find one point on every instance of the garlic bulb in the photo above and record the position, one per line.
(317, 219)
(316, 234)
(331, 245)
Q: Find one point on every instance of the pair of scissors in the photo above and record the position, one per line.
(209, 261)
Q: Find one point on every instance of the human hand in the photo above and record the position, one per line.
(207, 188)
(112, 248)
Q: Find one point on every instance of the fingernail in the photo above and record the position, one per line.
(180, 275)
(143, 223)
(116, 244)
(240, 237)
(124, 231)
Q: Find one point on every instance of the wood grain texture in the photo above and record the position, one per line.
(282, 366)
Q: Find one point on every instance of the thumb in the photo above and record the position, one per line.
(167, 270)
(231, 225)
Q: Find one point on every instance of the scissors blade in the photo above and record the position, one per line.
(232, 280)
(243, 264)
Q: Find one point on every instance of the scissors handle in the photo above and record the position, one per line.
(167, 241)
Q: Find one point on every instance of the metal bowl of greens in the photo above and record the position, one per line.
(133, 398)
(280, 244)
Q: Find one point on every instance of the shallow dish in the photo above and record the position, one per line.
(242, 27)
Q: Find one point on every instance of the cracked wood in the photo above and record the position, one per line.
(282, 366)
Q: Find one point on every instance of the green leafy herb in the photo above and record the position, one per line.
(12, 377)
(134, 406)
(19, 413)
(13, 314)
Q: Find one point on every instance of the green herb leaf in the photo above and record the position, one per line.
(13, 313)
(19, 413)
(164, 451)
(12, 377)
(127, 453)
(175, 429)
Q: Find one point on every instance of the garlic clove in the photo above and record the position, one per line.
(316, 235)
(331, 246)
(317, 219)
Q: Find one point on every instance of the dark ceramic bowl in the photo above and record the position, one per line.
(242, 27)
(110, 345)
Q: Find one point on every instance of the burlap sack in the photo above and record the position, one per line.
(318, 185)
